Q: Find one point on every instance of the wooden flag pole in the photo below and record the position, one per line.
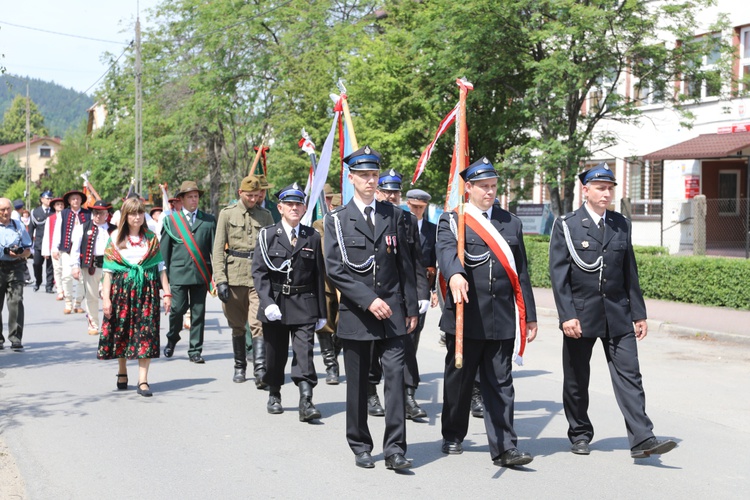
(347, 115)
(461, 150)
(256, 159)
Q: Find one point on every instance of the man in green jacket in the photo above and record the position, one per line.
(186, 244)
(236, 235)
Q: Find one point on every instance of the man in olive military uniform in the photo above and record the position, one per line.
(236, 235)
(595, 283)
(495, 318)
(187, 240)
(288, 275)
(368, 261)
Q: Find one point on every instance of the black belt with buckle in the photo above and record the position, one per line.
(291, 289)
(237, 253)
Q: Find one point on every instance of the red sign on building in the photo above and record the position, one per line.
(692, 186)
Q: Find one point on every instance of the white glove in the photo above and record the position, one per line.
(273, 313)
(423, 306)
(320, 323)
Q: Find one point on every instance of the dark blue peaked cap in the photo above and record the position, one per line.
(601, 172)
(480, 169)
(291, 194)
(364, 158)
(390, 181)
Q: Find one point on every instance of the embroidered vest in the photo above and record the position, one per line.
(68, 223)
(88, 244)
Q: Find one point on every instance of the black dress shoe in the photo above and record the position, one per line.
(397, 461)
(581, 447)
(652, 446)
(452, 447)
(146, 393)
(16, 346)
(364, 460)
(49, 289)
(513, 457)
(36, 288)
(197, 359)
(169, 350)
(274, 404)
(374, 408)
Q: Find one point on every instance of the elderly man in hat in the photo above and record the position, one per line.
(369, 261)
(595, 283)
(389, 190)
(38, 223)
(187, 242)
(15, 247)
(494, 316)
(236, 236)
(288, 275)
(87, 255)
(70, 218)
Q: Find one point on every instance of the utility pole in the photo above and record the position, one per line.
(138, 116)
(27, 192)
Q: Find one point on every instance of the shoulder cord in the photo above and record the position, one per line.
(597, 265)
(285, 267)
(362, 268)
(470, 260)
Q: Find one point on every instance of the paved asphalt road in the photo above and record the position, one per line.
(201, 436)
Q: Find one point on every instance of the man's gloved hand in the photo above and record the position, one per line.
(423, 306)
(273, 313)
(222, 290)
(320, 323)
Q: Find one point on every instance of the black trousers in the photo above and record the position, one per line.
(357, 355)
(11, 286)
(186, 297)
(492, 360)
(276, 338)
(624, 370)
(411, 367)
(38, 265)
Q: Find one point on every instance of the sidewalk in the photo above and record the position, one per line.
(676, 318)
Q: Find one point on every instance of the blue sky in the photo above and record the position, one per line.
(71, 62)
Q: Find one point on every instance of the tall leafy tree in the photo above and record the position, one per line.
(13, 128)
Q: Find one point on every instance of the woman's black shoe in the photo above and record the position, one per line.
(122, 385)
(146, 393)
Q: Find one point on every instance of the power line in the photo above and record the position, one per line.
(110, 68)
(61, 34)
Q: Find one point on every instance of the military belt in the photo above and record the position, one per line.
(237, 253)
(291, 289)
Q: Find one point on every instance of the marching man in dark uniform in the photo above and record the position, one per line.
(236, 236)
(595, 283)
(15, 248)
(495, 288)
(288, 275)
(389, 190)
(38, 223)
(71, 216)
(368, 261)
(187, 240)
(87, 253)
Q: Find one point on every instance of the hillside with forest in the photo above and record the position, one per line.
(63, 109)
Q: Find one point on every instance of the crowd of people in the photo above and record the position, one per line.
(362, 278)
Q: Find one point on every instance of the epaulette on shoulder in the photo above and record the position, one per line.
(337, 209)
(231, 205)
(568, 215)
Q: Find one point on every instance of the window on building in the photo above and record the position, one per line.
(598, 93)
(708, 84)
(645, 189)
(745, 58)
(45, 152)
(646, 89)
(729, 192)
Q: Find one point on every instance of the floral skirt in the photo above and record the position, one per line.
(132, 331)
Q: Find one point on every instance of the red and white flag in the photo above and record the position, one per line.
(444, 124)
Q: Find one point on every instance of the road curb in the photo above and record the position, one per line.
(666, 328)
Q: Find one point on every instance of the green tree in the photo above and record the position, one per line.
(13, 128)
(10, 172)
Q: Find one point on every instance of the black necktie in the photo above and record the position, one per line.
(601, 225)
(485, 215)
(368, 218)
(293, 238)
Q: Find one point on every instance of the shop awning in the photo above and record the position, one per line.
(704, 146)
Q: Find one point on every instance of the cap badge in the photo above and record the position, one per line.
(392, 173)
(485, 161)
(606, 167)
(295, 186)
(367, 150)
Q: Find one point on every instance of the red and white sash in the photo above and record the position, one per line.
(501, 250)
